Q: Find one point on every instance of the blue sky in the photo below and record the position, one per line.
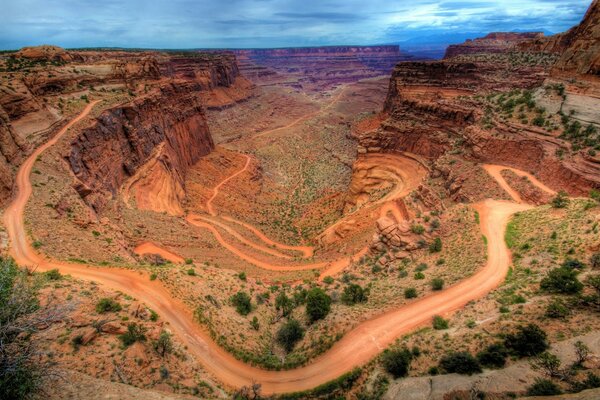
(271, 23)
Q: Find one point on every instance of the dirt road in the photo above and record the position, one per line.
(356, 348)
(495, 172)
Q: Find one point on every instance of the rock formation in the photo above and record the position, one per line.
(319, 66)
(436, 107)
(495, 42)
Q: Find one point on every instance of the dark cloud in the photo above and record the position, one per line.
(269, 23)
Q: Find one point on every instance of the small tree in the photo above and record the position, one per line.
(593, 281)
(164, 344)
(494, 356)
(582, 352)
(562, 280)
(561, 200)
(573, 263)
(397, 361)
(353, 294)
(548, 363)
(241, 302)
(529, 340)
(318, 304)
(460, 363)
(289, 334)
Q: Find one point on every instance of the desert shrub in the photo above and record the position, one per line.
(397, 362)
(595, 260)
(254, 323)
(284, 304)
(494, 356)
(242, 276)
(439, 323)
(289, 334)
(543, 387)
(241, 302)
(460, 363)
(135, 333)
(328, 280)
(573, 263)
(562, 280)
(561, 200)
(529, 340)
(318, 304)
(53, 275)
(437, 284)
(557, 309)
(353, 294)
(418, 229)
(410, 293)
(107, 305)
(436, 245)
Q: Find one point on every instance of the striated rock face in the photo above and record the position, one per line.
(167, 126)
(495, 42)
(434, 108)
(164, 125)
(582, 52)
(319, 66)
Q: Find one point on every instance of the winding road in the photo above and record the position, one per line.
(356, 348)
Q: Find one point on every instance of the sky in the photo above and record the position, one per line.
(272, 23)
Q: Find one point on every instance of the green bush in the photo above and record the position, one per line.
(543, 387)
(410, 293)
(135, 333)
(573, 263)
(418, 229)
(529, 340)
(107, 305)
(494, 356)
(289, 334)
(562, 280)
(318, 304)
(164, 344)
(21, 370)
(437, 284)
(284, 304)
(53, 275)
(460, 363)
(353, 294)
(241, 302)
(436, 245)
(557, 309)
(561, 200)
(439, 323)
(397, 362)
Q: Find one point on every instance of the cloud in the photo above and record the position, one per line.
(269, 23)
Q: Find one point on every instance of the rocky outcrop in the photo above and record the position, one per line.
(495, 42)
(167, 125)
(434, 108)
(582, 52)
(12, 149)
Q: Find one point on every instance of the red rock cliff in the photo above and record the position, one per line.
(495, 42)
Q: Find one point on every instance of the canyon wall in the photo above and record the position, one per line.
(495, 42)
(435, 108)
(320, 67)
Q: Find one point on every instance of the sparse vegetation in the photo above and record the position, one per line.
(108, 305)
(241, 302)
(460, 363)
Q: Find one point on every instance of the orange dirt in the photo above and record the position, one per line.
(151, 248)
(495, 172)
(356, 348)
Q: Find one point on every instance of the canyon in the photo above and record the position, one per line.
(212, 195)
